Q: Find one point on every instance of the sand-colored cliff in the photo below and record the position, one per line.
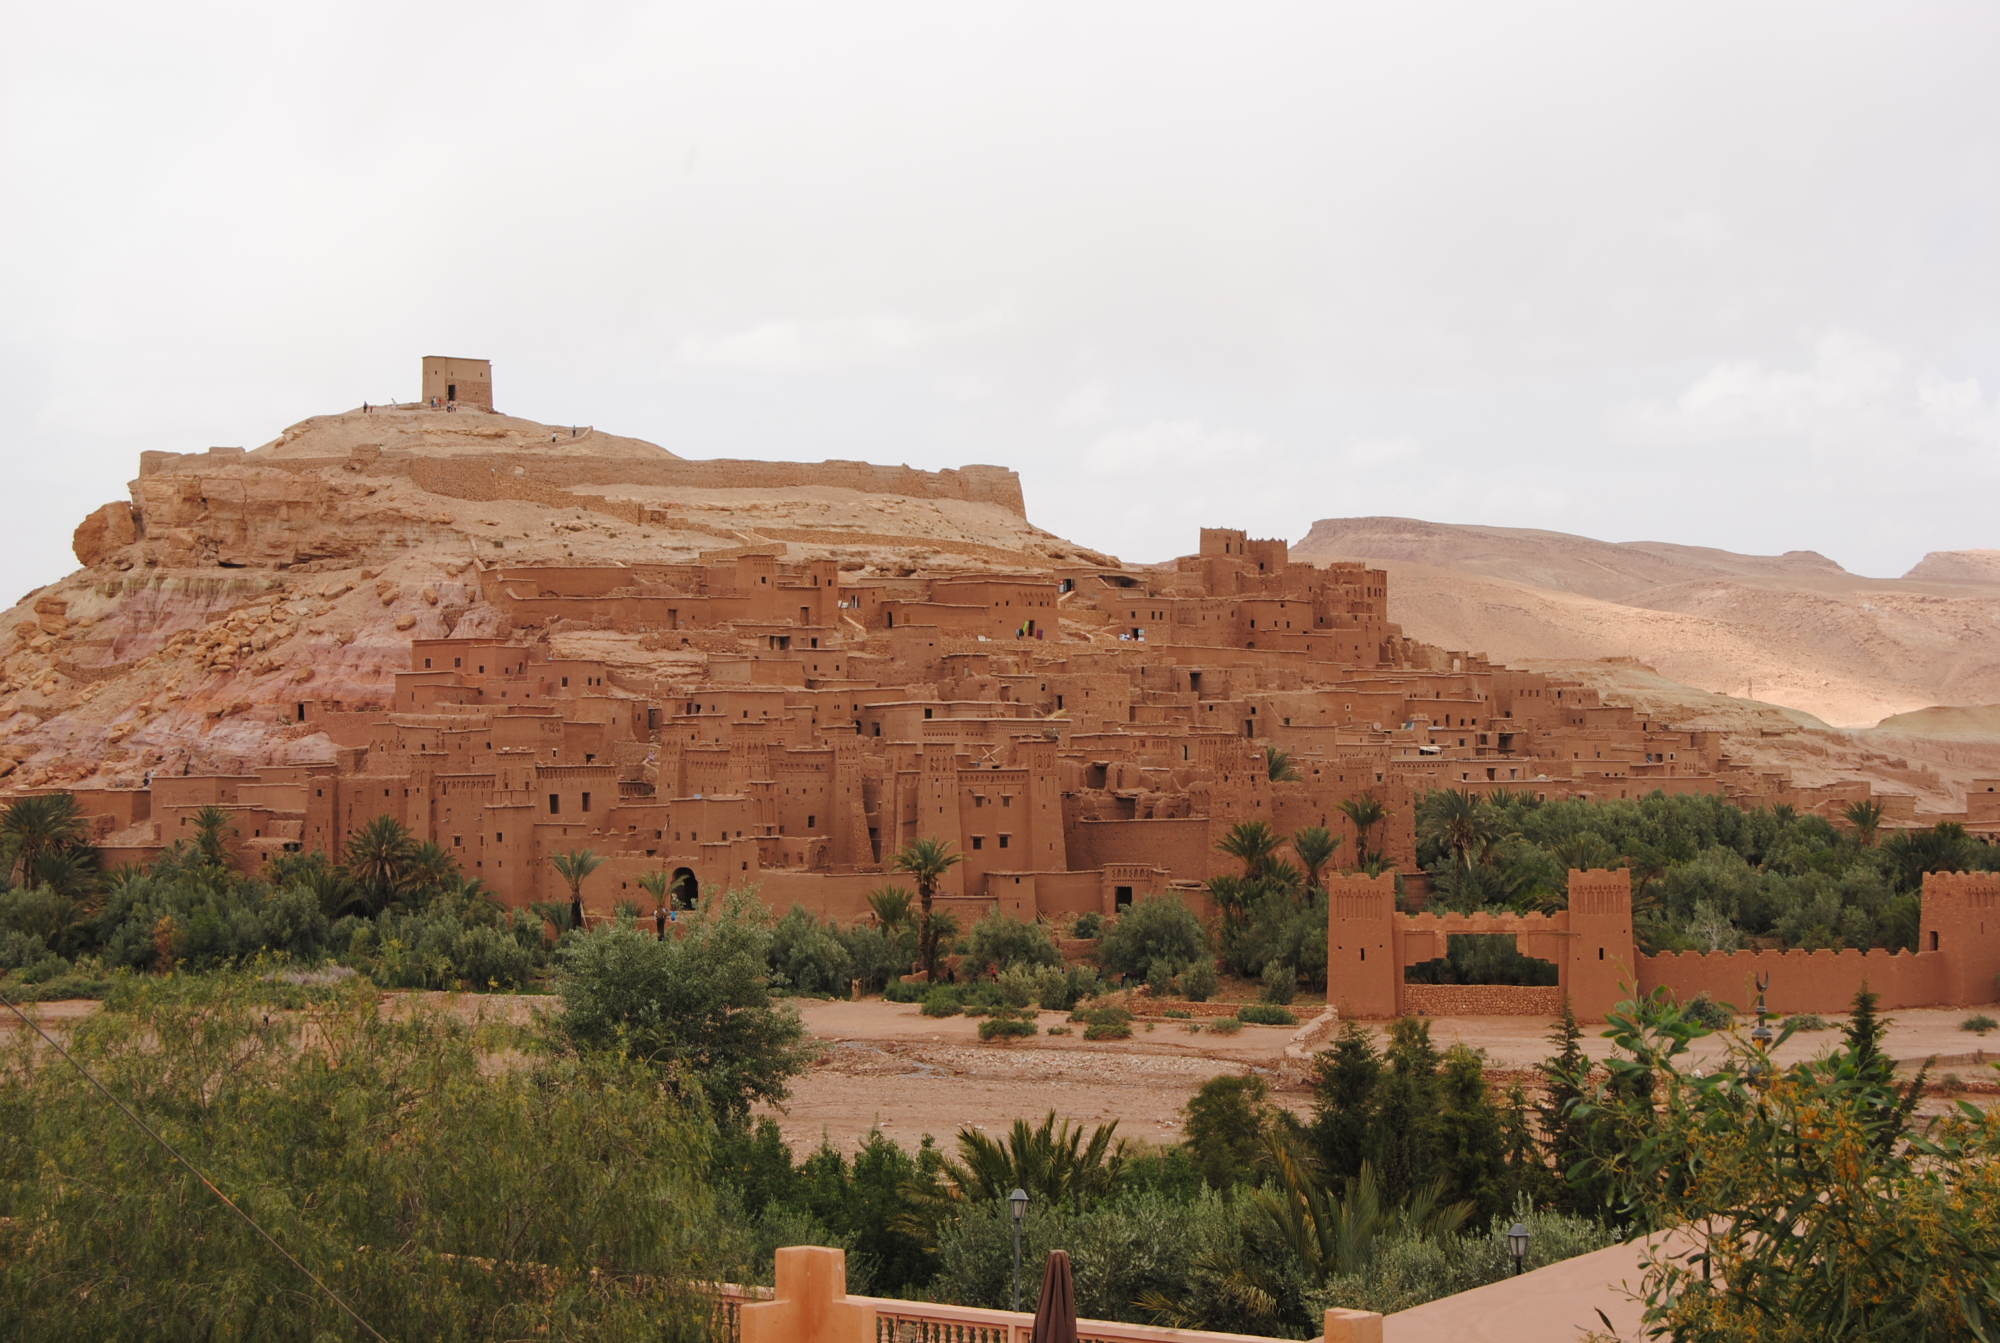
(229, 582)
(1793, 629)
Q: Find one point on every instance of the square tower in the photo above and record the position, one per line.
(468, 382)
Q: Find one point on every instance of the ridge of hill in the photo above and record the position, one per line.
(231, 580)
(1793, 629)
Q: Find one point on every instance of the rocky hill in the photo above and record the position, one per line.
(1794, 629)
(231, 581)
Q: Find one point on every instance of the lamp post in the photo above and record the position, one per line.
(1517, 1245)
(1760, 1067)
(1017, 1203)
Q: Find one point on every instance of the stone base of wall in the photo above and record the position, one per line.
(1482, 1000)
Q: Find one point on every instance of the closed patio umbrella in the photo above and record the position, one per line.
(1055, 1313)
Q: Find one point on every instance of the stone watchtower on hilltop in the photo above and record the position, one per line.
(469, 382)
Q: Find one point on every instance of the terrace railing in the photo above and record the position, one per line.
(811, 1305)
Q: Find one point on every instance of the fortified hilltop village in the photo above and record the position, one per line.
(519, 640)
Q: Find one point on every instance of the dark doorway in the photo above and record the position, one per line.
(451, 391)
(684, 882)
(1121, 897)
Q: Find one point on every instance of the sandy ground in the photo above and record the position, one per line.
(888, 1067)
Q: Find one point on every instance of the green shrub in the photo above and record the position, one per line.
(1020, 985)
(878, 957)
(1199, 980)
(1177, 1014)
(1107, 1023)
(899, 991)
(1266, 1014)
(806, 957)
(999, 943)
(1089, 925)
(1225, 1025)
(1058, 1030)
(1808, 1021)
(1979, 1024)
(1159, 928)
(1705, 1011)
(697, 1007)
(1060, 989)
(942, 1000)
(1163, 978)
(252, 1099)
(1281, 982)
(1005, 1028)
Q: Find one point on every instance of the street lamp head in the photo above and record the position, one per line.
(1517, 1242)
(1018, 1203)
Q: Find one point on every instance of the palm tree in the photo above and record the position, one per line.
(1252, 843)
(1231, 895)
(891, 907)
(42, 824)
(1329, 1234)
(1366, 812)
(378, 863)
(926, 860)
(212, 833)
(574, 866)
(1462, 828)
(1315, 847)
(1053, 1164)
(664, 889)
(1278, 766)
(432, 869)
(1866, 818)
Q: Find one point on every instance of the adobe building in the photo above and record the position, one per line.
(1083, 737)
(1370, 946)
(467, 383)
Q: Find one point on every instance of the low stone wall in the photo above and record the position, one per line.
(1482, 1000)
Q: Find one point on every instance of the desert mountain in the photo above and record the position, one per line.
(1795, 629)
(231, 581)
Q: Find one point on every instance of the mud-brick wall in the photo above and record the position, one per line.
(1482, 1000)
(1801, 981)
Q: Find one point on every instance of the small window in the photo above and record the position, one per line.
(586, 801)
(979, 841)
(555, 804)
(1004, 839)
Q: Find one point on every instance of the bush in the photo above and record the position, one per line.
(1162, 978)
(1199, 981)
(1059, 990)
(1226, 1025)
(697, 1006)
(1020, 986)
(1281, 982)
(1266, 1014)
(876, 956)
(1059, 1030)
(1705, 1011)
(897, 990)
(1177, 1014)
(256, 1104)
(1088, 925)
(942, 1000)
(1005, 1028)
(1808, 1021)
(1155, 929)
(1107, 1023)
(1979, 1024)
(999, 943)
(806, 956)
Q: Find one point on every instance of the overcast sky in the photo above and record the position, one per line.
(1723, 274)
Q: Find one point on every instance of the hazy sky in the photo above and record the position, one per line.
(1723, 274)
